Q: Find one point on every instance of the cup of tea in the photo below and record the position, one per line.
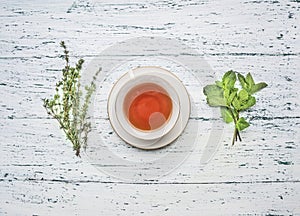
(147, 106)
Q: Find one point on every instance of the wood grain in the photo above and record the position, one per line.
(39, 174)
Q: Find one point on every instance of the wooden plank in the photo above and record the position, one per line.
(53, 198)
(36, 149)
(211, 27)
(25, 88)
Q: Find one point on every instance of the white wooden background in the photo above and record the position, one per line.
(39, 174)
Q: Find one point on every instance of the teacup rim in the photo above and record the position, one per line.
(158, 132)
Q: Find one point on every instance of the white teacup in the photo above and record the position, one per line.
(137, 84)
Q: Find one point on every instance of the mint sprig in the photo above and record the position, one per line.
(232, 100)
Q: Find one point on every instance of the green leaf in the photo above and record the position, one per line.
(214, 95)
(229, 75)
(226, 115)
(243, 95)
(249, 103)
(243, 81)
(216, 101)
(226, 93)
(243, 101)
(250, 81)
(232, 95)
(212, 90)
(236, 104)
(220, 84)
(229, 79)
(257, 87)
(229, 95)
(242, 124)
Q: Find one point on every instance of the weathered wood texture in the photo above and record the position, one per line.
(39, 174)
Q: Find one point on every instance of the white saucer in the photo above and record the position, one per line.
(184, 107)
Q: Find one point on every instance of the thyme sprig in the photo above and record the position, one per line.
(66, 105)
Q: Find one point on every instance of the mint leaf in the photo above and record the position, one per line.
(226, 93)
(227, 75)
(243, 82)
(243, 101)
(232, 95)
(243, 95)
(257, 87)
(216, 101)
(226, 115)
(236, 104)
(229, 79)
(220, 84)
(249, 85)
(212, 90)
(242, 124)
(247, 104)
(214, 95)
(229, 95)
(250, 81)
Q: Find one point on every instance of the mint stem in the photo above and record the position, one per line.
(234, 136)
(236, 133)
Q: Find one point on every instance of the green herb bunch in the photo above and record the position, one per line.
(66, 105)
(232, 100)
